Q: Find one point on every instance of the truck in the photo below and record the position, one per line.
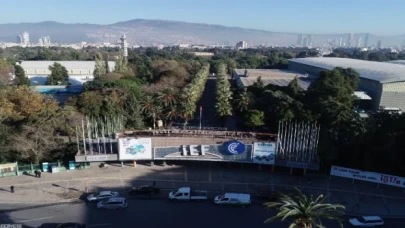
(188, 194)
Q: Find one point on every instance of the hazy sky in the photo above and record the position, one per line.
(384, 17)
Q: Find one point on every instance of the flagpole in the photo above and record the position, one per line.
(200, 116)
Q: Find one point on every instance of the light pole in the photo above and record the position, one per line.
(200, 116)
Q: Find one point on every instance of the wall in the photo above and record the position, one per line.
(178, 141)
(73, 80)
(373, 89)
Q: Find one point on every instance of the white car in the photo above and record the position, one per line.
(367, 221)
(112, 203)
(101, 195)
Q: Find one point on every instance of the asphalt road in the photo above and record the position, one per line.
(153, 213)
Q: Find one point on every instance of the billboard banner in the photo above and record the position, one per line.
(378, 178)
(264, 152)
(135, 148)
(233, 151)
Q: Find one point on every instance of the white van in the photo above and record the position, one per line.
(233, 199)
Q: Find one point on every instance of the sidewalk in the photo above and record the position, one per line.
(359, 198)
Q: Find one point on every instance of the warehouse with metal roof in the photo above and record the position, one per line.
(247, 77)
(383, 82)
(79, 71)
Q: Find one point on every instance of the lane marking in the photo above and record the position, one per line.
(30, 220)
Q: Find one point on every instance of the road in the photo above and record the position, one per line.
(153, 213)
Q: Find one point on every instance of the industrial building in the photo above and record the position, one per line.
(246, 77)
(79, 71)
(383, 82)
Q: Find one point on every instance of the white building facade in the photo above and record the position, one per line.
(79, 71)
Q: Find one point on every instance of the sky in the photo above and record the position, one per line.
(381, 17)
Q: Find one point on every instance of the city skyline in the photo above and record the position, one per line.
(315, 17)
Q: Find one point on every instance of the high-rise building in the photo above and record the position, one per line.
(359, 44)
(379, 44)
(305, 42)
(241, 45)
(45, 40)
(124, 46)
(300, 40)
(341, 42)
(350, 40)
(309, 37)
(25, 38)
(19, 39)
(366, 39)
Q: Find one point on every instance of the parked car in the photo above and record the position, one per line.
(71, 225)
(113, 203)
(101, 195)
(188, 194)
(144, 190)
(233, 199)
(367, 221)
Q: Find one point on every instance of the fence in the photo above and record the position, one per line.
(24, 169)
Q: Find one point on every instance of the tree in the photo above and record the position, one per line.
(304, 211)
(132, 113)
(59, 75)
(244, 101)
(294, 89)
(34, 142)
(254, 118)
(21, 102)
(100, 66)
(331, 96)
(6, 69)
(121, 65)
(20, 78)
(223, 93)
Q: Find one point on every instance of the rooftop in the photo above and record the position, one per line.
(378, 71)
(39, 65)
(402, 62)
(272, 76)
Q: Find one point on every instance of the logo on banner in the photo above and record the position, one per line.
(234, 147)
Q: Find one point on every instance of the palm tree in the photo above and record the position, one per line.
(243, 102)
(167, 97)
(155, 113)
(147, 103)
(186, 111)
(305, 212)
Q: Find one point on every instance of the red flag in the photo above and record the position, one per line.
(200, 108)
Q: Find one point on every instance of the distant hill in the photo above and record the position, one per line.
(149, 32)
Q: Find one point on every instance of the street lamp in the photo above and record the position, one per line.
(200, 116)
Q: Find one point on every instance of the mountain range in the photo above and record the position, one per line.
(150, 32)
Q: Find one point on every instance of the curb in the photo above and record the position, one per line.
(71, 201)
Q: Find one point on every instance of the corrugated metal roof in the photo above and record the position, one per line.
(44, 65)
(379, 71)
(401, 62)
(277, 77)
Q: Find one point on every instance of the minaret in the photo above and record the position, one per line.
(124, 46)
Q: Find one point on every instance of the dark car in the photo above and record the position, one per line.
(71, 225)
(144, 190)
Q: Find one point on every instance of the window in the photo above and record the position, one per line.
(361, 219)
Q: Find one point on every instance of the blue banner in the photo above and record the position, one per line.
(234, 147)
